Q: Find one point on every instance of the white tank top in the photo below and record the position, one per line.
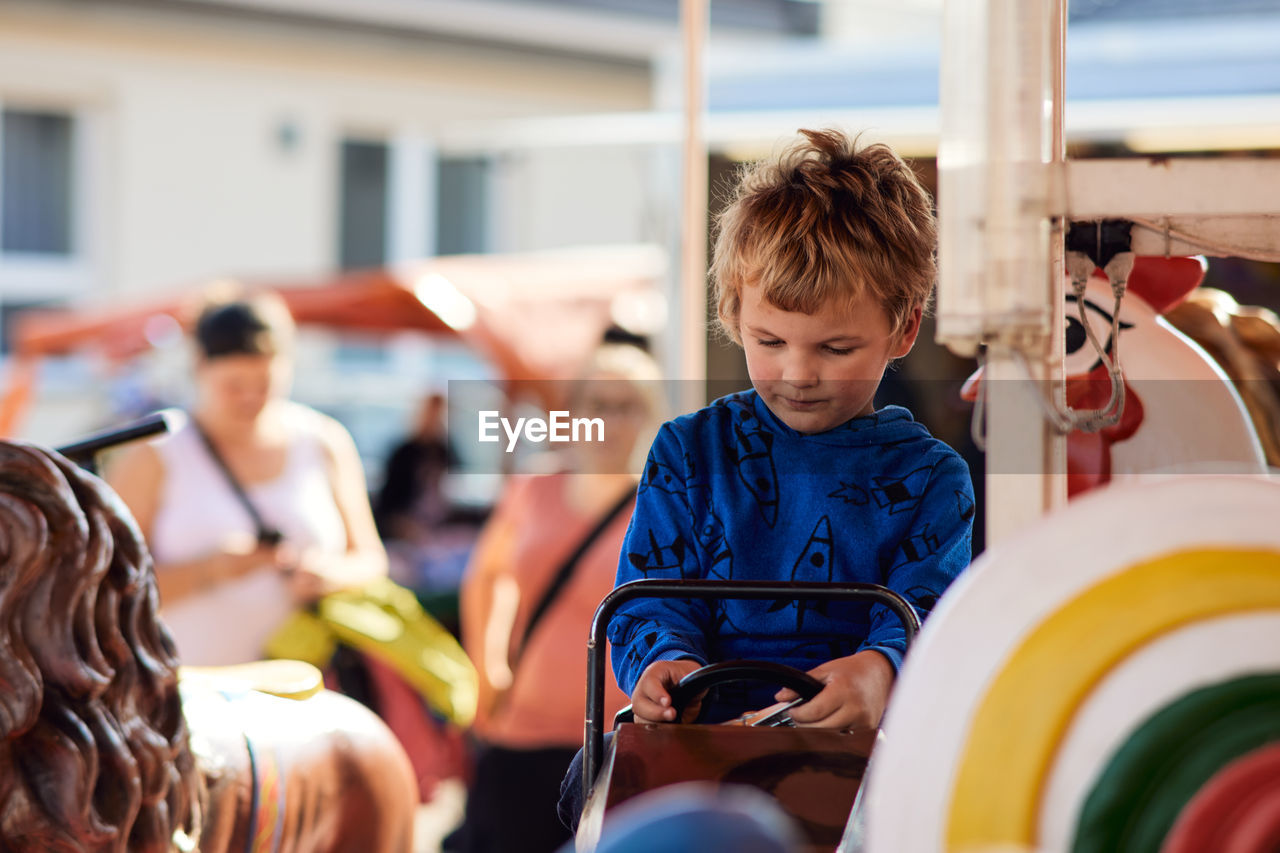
(198, 510)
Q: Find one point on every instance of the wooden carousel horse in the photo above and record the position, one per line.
(1245, 341)
(104, 750)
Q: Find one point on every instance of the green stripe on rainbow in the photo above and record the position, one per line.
(1170, 757)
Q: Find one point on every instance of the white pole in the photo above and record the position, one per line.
(411, 189)
(1025, 456)
(1056, 451)
(694, 18)
(998, 284)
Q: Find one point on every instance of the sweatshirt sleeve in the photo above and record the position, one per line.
(659, 544)
(936, 549)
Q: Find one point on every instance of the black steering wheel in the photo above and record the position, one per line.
(713, 675)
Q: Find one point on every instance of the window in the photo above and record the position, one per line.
(36, 181)
(46, 208)
(398, 199)
(363, 204)
(462, 205)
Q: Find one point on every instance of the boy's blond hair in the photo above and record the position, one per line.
(824, 223)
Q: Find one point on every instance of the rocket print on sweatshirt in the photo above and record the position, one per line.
(666, 559)
(920, 545)
(752, 453)
(851, 493)
(901, 494)
(715, 546)
(813, 565)
(663, 478)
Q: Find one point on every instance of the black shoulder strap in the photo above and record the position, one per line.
(565, 571)
(266, 533)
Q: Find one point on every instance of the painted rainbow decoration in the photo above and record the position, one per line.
(1108, 680)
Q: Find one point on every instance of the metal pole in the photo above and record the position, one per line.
(1000, 280)
(85, 451)
(694, 19)
(1056, 451)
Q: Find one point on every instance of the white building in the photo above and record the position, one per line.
(150, 145)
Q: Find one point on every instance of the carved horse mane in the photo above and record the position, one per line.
(93, 731)
(101, 752)
(1245, 340)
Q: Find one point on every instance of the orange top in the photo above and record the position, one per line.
(532, 532)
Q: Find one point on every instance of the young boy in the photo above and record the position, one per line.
(823, 265)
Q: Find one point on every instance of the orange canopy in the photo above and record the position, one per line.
(534, 316)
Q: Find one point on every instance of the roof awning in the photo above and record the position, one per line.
(534, 316)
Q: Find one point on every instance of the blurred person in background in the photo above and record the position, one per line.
(428, 540)
(254, 505)
(412, 502)
(543, 562)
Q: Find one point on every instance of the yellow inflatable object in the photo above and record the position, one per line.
(385, 621)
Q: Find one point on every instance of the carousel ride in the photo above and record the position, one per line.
(1106, 676)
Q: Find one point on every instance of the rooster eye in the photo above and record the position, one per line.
(1076, 336)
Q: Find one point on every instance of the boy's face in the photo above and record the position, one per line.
(816, 371)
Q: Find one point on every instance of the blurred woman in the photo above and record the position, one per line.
(546, 558)
(254, 504)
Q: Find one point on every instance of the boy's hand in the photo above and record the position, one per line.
(651, 700)
(855, 695)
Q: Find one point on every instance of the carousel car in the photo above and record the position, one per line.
(813, 774)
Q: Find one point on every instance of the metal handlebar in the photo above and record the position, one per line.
(593, 738)
(82, 452)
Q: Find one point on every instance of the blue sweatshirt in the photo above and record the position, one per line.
(731, 492)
